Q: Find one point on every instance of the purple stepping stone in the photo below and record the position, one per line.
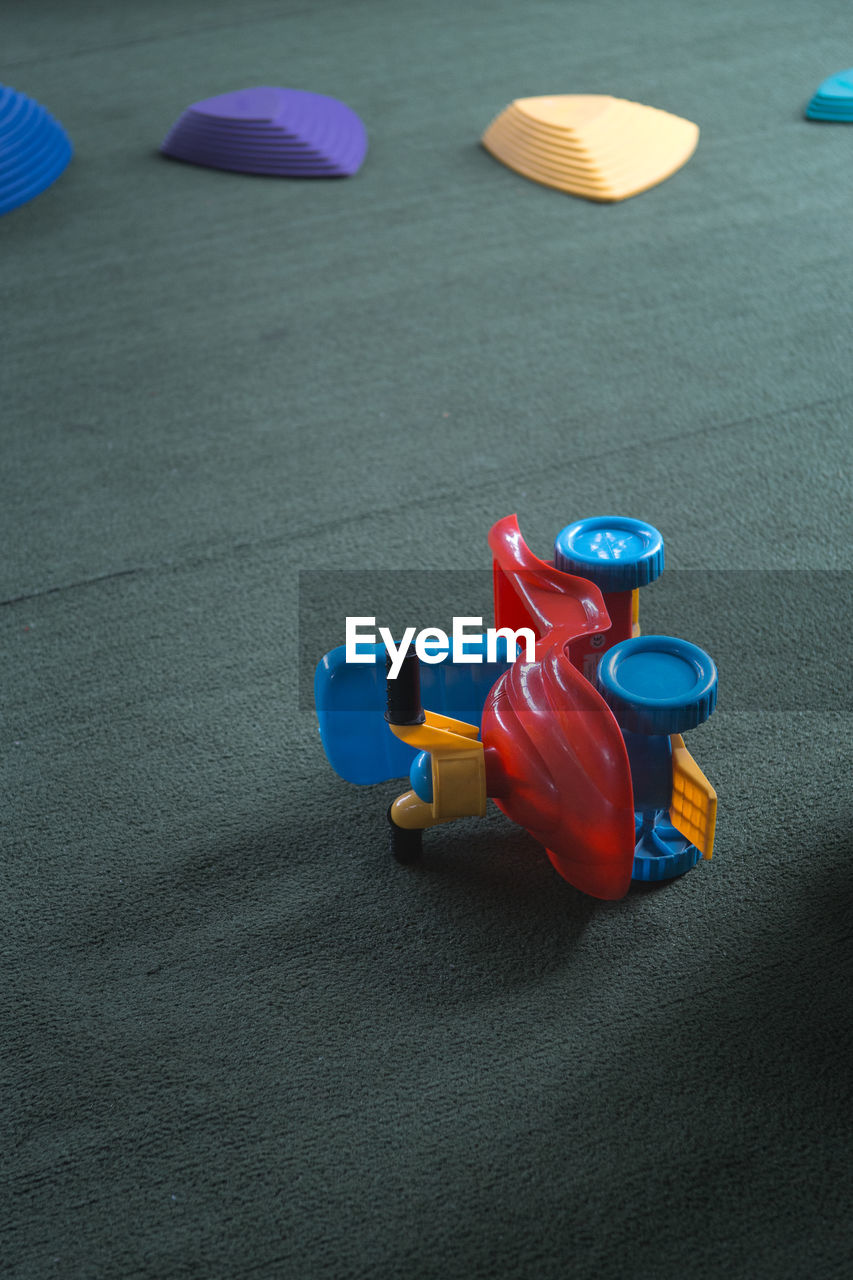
(265, 158)
(277, 157)
(268, 168)
(283, 132)
(198, 135)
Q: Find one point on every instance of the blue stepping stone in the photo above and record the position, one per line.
(34, 149)
(834, 99)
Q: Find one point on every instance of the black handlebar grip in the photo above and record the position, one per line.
(403, 704)
(406, 842)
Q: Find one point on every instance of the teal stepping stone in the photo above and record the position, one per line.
(833, 100)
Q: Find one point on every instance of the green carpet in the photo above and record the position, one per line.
(236, 1040)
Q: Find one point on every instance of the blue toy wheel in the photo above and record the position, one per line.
(614, 552)
(658, 684)
(662, 853)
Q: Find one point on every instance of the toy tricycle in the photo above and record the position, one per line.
(579, 741)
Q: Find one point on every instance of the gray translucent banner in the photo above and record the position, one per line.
(781, 639)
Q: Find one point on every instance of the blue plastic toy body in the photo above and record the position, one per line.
(350, 702)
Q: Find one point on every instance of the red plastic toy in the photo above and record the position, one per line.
(581, 746)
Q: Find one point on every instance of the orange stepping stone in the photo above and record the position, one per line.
(591, 145)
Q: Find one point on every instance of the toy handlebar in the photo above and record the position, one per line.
(403, 707)
(403, 697)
